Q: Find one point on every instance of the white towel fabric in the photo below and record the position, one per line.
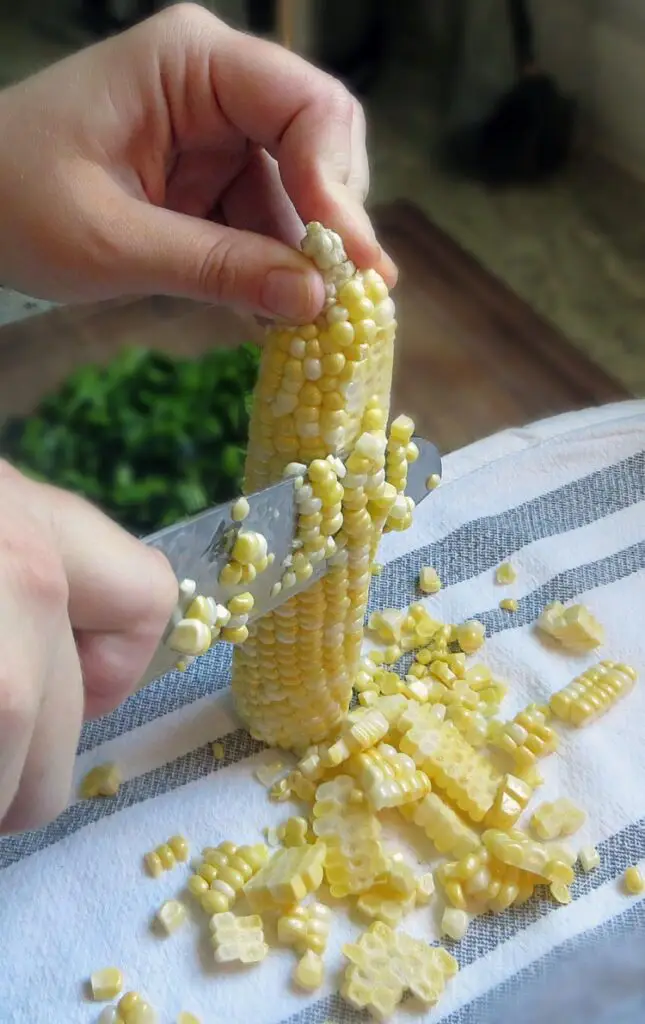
(565, 499)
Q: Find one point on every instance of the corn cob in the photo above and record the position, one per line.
(323, 392)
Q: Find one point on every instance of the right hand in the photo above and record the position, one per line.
(82, 608)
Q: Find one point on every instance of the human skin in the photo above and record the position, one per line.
(182, 158)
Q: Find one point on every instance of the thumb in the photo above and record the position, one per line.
(163, 252)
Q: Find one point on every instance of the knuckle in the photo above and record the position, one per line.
(185, 15)
(42, 577)
(18, 708)
(219, 272)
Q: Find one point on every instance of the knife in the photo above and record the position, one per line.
(198, 548)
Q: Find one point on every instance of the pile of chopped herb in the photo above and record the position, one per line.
(150, 438)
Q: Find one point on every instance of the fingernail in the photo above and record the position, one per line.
(292, 295)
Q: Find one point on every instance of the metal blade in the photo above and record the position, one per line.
(198, 548)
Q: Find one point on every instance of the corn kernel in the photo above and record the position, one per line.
(429, 581)
(238, 938)
(454, 923)
(470, 636)
(589, 858)
(103, 780)
(106, 984)
(241, 604)
(240, 510)
(505, 573)
(171, 915)
(509, 604)
(633, 881)
(218, 750)
(309, 971)
(187, 1018)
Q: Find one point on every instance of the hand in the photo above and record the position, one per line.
(181, 157)
(82, 607)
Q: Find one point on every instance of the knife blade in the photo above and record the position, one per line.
(198, 548)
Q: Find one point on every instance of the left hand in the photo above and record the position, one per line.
(181, 157)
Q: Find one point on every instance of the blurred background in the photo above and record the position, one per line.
(507, 145)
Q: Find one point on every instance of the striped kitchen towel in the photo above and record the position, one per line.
(565, 499)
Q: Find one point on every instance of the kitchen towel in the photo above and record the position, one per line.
(564, 499)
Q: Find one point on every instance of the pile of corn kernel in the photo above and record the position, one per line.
(419, 742)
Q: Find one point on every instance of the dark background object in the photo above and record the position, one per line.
(527, 138)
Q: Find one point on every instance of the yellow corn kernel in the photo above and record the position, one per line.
(560, 818)
(527, 737)
(575, 627)
(511, 800)
(425, 888)
(593, 693)
(171, 915)
(197, 885)
(505, 573)
(382, 903)
(237, 635)
(470, 636)
(309, 971)
(187, 1018)
(589, 858)
(287, 877)
(103, 780)
(241, 604)
(293, 832)
(509, 604)
(454, 923)
(354, 857)
(230, 574)
(633, 881)
(179, 847)
(218, 750)
(433, 481)
(240, 510)
(388, 778)
(133, 1009)
(238, 938)
(560, 892)
(305, 928)
(376, 569)
(106, 984)
(449, 833)
(429, 581)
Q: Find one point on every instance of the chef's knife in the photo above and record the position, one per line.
(198, 548)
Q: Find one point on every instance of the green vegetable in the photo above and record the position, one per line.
(150, 438)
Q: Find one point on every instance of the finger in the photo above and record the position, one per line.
(257, 201)
(46, 781)
(299, 114)
(121, 595)
(21, 684)
(160, 251)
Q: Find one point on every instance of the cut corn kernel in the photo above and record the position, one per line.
(429, 581)
(305, 928)
(454, 923)
(180, 848)
(287, 877)
(527, 737)
(187, 1018)
(560, 818)
(575, 627)
(103, 780)
(293, 832)
(309, 971)
(633, 881)
(470, 636)
(433, 481)
(385, 963)
(133, 1009)
(509, 604)
(505, 573)
(171, 915)
(109, 1015)
(226, 869)
(238, 938)
(589, 858)
(218, 750)
(240, 510)
(106, 984)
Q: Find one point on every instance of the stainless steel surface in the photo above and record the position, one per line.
(198, 548)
